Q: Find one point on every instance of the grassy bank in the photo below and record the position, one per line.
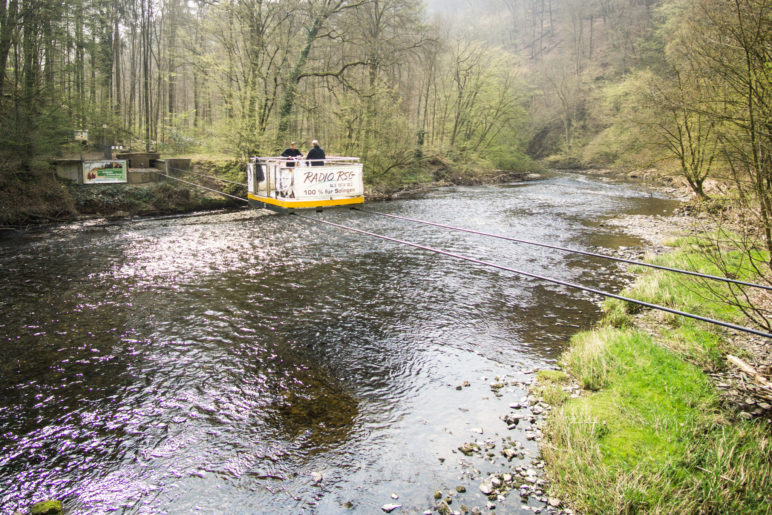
(652, 434)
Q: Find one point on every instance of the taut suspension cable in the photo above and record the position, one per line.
(573, 251)
(541, 277)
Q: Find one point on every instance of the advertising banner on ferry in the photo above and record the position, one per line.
(321, 183)
(105, 172)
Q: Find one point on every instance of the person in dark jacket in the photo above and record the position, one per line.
(291, 153)
(316, 155)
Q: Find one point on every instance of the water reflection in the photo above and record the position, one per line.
(216, 362)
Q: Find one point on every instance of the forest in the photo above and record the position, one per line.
(681, 85)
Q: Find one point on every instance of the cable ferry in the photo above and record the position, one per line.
(285, 184)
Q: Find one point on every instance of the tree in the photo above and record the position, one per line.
(732, 49)
(674, 107)
(317, 13)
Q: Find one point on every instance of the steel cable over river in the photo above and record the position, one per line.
(544, 278)
(666, 309)
(571, 251)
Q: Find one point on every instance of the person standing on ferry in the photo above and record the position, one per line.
(316, 155)
(291, 154)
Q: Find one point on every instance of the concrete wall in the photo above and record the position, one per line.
(138, 159)
(70, 169)
(142, 176)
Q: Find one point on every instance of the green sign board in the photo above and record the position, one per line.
(104, 172)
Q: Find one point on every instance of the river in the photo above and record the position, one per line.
(226, 362)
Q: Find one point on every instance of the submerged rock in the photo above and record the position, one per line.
(47, 508)
(469, 448)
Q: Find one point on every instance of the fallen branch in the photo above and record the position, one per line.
(758, 378)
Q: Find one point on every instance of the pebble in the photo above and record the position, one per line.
(469, 448)
(486, 487)
(316, 477)
(388, 508)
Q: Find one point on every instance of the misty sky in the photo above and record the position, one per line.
(444, 5)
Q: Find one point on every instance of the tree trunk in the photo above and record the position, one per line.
(8, 22)
(288, 99)
(145, 28)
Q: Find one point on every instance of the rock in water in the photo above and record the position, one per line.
(486, 487)
(47, 508)
(388, 508)
(509, 454)
(469, 448)
(316, 477)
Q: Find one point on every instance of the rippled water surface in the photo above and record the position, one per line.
(220, 362)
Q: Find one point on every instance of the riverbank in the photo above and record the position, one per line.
(35, 197)
(674, 415)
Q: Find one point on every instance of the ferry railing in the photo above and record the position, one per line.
(273, 167)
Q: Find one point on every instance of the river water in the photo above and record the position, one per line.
(226, 362)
